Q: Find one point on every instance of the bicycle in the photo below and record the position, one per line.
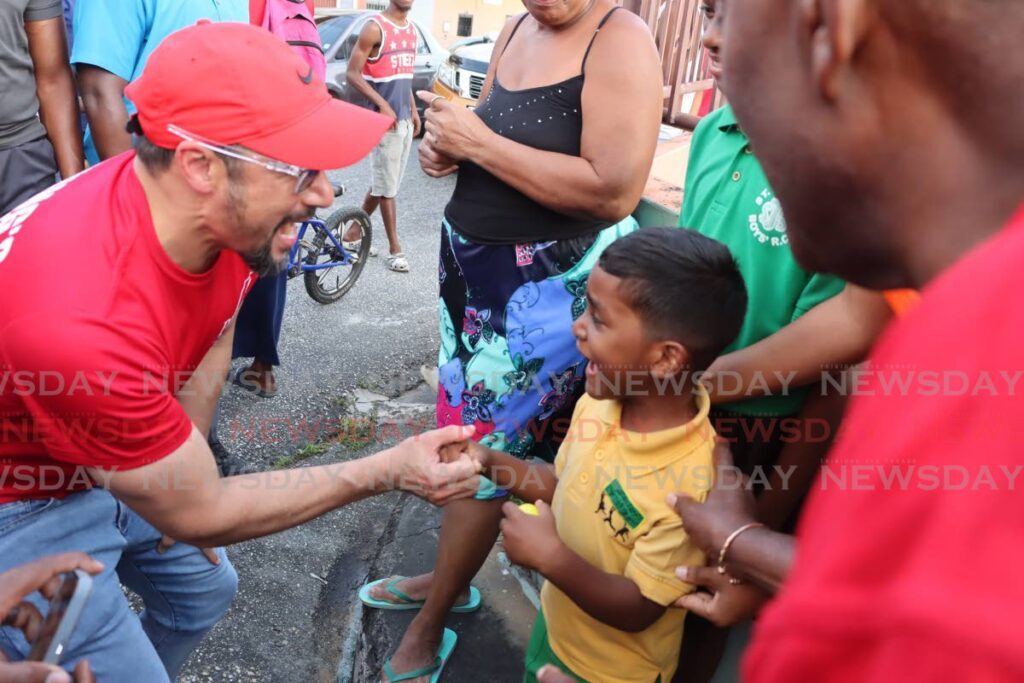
(322, 256)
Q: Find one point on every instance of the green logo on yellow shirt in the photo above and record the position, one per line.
(619, 499)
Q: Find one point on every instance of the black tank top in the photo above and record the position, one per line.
(548, 118)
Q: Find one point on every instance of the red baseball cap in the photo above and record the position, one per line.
(237, 84)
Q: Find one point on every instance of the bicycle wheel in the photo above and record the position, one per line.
(327, 285)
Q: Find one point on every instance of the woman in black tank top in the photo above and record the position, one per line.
(550, 165)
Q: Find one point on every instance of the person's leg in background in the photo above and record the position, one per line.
(372, 200)
(397, 158)
(257, 333)
(25, 171)
(389, 160)
(352, 236)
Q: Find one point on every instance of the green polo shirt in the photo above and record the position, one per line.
(728, 198)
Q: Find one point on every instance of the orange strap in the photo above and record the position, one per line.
(902, 300)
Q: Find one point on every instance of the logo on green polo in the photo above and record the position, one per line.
(768, 225)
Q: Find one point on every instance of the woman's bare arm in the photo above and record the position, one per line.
(622, 105)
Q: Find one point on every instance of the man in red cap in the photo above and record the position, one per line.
(110, 369)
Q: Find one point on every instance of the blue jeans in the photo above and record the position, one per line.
(184, 595)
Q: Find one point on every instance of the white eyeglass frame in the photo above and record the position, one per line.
(304, 177)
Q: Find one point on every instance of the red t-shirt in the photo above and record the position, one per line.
(98, 331)
(910, 548)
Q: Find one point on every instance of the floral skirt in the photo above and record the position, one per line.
(508, 362)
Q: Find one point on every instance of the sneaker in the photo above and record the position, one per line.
(228, 464)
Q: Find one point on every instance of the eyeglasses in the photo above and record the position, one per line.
(304, 177)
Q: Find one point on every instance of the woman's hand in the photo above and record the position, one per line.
(723, 603)
(435, 164)
(452, 131)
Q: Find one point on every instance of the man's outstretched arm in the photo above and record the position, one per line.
(184, 497)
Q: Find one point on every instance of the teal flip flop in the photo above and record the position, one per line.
(471, 605)
(447, 646)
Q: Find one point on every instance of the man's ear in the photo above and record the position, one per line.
(196, 166)
(672, 359)
(837, 29)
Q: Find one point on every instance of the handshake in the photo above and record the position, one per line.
(439, 466)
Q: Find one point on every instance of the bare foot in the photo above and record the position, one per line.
(418, 649)
(353, 233)
(416, 587)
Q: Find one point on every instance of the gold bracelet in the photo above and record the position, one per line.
(728, 543)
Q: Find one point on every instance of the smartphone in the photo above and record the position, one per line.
(65, 610)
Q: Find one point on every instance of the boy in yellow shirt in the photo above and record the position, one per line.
(662, 304)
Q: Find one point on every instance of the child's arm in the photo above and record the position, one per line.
(531, 482)
(610, 598)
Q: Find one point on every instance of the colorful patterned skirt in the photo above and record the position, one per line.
(508, 362)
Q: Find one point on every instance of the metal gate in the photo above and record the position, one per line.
(677, 27)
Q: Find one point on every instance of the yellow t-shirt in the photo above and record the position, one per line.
(610, 509)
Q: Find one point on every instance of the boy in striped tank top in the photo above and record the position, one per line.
(381, 69)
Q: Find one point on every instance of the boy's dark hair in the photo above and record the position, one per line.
(684, 286)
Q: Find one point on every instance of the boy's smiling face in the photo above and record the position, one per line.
(611, 336)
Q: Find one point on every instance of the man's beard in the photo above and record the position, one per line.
(262, 261)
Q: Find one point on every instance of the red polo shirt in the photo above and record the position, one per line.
(912, 545)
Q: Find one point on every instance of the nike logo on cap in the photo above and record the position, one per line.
(308, 78)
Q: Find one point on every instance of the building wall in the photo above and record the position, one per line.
(442, 16)
(488, 16)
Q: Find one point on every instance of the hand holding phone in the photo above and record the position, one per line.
(48, 577)
(66, 605)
